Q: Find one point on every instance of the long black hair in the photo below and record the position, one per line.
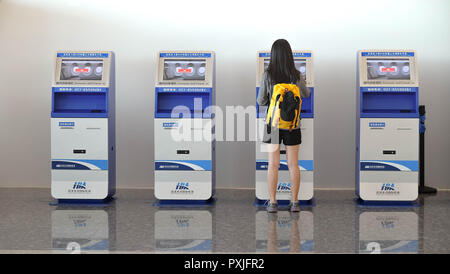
(281, 68)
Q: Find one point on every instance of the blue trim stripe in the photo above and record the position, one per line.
(198, 165)
(185, 55)
(381, 165)
(82, 54)
(307, 245)
(295, 54)
(305, 164)
(389, 89)
(79, 164)
(78, 115)
(79, 89)
(387, 53)
(182, 89)
(180, 245)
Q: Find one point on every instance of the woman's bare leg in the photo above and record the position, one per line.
(272, 170)
(294, 170)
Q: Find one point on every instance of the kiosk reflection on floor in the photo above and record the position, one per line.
(183, 230)
(83, 229)
(391, 231)
(233, 225)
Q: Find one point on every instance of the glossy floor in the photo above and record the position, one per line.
(131, 224)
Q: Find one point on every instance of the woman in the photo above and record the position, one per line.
(282, 69)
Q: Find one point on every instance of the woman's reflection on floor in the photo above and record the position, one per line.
(294, 236)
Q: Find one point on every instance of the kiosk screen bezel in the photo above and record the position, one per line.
(103, 82)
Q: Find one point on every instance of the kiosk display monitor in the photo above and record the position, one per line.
(300, 65)
(388, 69)
(81, 69)
(184, 69)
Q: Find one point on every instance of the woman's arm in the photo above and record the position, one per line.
(263, 94)
(304, 90)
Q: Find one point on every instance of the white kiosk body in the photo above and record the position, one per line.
(387, 126)
(184, 129)
(83, 154)
(304, 63)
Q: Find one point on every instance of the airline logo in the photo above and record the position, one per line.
(182, 188)
(388, 189)
(284, 187)
(79, 187)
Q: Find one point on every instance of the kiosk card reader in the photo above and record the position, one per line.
(304, 63)
(83, 153)
(184, 129)
(387, 126)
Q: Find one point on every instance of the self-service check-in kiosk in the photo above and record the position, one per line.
(83, 153)
(184, 130)
(387, 126)
(304, 63)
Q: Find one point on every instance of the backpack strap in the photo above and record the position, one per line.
(298, 112)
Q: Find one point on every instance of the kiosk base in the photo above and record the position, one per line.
(185, 203)
(284, 204)
(83, 202)
(363, 203)
(427, 190)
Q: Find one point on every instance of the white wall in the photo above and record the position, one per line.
(32, 31)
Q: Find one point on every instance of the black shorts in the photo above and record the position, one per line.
(289, 138)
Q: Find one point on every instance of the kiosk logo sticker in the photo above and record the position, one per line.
(66, 124)
(284, 187)
(388, 189)
(170, 125)
(182, 188)
(377, 124)
(79, 187)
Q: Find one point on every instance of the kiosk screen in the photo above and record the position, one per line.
(81, 69)
(184, 69)
(388, 69)
(300, 65)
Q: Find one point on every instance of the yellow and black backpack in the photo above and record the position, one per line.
(284, 107)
